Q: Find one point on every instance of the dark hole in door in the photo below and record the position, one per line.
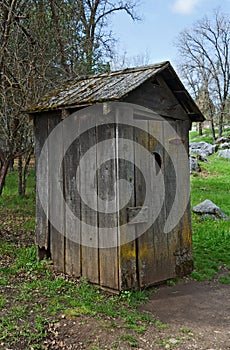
(158, 161)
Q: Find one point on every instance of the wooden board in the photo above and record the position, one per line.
(160, 239)
(42, 224)
(56, 204)
(145, 242)
(137, 215)
(107, 192)
(172, 170)
(90, 257)
(184, 260)
(72, 199)
(127, 235)
(158, 98)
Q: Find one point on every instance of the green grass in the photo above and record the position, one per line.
(38, 296)
(35, 296)
(207, 135)
(132, 341)
(213, 183)
(11, 199)
(211, 239)
(16, 208)
(211, 246)
(195, 137)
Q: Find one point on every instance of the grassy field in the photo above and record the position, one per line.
(33, 296)
(211, 239)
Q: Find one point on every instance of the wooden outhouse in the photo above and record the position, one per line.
(136, 123)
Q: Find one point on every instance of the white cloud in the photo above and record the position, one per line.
(184, 6)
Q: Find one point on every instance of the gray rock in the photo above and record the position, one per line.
(225, 145)
(225, 153)
(194, 166)
(203, 149)
(223, 139)
(208, 209)
(202, 157)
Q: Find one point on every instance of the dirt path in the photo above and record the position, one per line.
(202, 310)
(194, 316)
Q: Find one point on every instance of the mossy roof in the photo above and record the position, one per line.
(114, 86)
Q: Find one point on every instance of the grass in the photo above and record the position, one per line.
(33, 296)
(20, 210)
(207, 135)
(211, 239)
(132, 341)
(36, 296)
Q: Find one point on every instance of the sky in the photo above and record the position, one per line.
(162, 20)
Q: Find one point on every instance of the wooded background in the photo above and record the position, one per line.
(46, 43)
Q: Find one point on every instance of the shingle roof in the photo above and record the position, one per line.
(109, 87)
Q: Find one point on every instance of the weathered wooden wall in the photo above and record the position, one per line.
(154, 256)
(151, 258)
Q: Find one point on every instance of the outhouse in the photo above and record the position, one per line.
(113, 178)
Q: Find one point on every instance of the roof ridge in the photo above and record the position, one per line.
(124, 71)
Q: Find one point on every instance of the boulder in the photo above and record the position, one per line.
(225, 145)
(223, 139)
(203, 149)
(225, 153)
(208, 209)
(194, 166)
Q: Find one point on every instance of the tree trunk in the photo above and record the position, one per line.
(25, 172)
(213, 129)
(11, 166)
(221, 119)
(200, 129)
(3, 173)
(20, 170)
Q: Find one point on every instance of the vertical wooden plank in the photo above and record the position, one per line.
(159, 260)
(42, 225)
(90, 268)
(184, 260)
(127, 247)
(154, 259)
(107, 192)
(170, 175)
(145, 241)
(56, 204)
(72, 199)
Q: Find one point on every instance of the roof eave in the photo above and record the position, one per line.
(181, 94)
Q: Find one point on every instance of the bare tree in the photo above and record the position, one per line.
(205, 54)
(199, 83)
(83, 35)
(42, 43)
(123, 60)
(24, 75)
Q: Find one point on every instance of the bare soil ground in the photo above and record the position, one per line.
(197, 315)
(202, 310)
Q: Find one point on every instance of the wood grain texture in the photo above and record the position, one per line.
(160, 270)
(107, 192)
(145, 243)
(42, 223)
(184, 260)
(160, 99)
(170, 158)
(89, 216)
(56, 204)
(127, 234)
(72, 199)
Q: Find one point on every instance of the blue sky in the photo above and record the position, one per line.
(162, 21)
